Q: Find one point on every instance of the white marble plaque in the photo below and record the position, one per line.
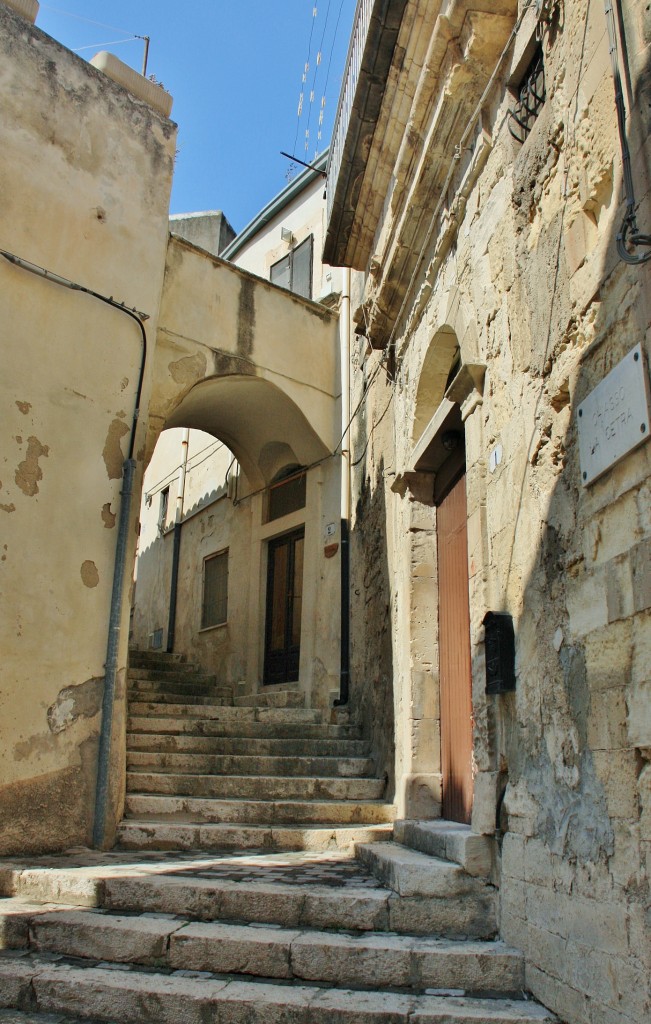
(615, 417)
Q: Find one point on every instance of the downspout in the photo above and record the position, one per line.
(128, 472)
(176, 549)
(113, 642)
(344, 338)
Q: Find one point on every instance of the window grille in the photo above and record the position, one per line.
(531, 97)
(294, 271)
(214, 606)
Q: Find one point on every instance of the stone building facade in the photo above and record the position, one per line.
(476, 186)
(480, 196)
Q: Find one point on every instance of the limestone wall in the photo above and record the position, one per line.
(521, 275)
(85, 174)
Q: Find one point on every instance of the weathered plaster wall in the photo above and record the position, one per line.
(258, 368)
(524, 275)
(85, 178)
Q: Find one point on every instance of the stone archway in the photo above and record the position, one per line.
(448, 392)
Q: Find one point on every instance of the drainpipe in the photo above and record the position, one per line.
(176, 549)
(121, 548)
(113, 642)
(344, 335)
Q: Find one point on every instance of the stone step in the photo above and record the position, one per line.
(251, 764)
(275, 699)
(255, 787)
(139, 658)
(205, 699)
(339, 907)
(451, 841)
(147, 835)
(410, 872)
(271, 716)
(29, 1017)
(291, 890)
(173, 673)
(136, 996)
(258, 812)
(248, 747)
(367, 958)
(158, 686)
(252, 735)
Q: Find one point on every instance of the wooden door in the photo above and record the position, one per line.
(284, 607)
(454, 654)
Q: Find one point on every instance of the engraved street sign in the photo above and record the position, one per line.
(615, 417)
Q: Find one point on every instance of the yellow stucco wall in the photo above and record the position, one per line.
(85, 175)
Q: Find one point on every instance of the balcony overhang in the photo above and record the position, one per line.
(395, 141)
(371, 57)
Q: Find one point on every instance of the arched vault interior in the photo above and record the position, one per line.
(260, 424)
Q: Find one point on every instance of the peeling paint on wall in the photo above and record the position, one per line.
(80, 701)
(108, 517)
(29, 472)
(24, 407)
(189, 369)
(89, 574)
(8, 508)
(112, 453)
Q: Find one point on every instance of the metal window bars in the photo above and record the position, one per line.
(531, 97)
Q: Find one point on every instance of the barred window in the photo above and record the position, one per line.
(214, 606)
(530, 98)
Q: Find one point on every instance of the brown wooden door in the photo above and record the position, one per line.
(454, 654)
(284, 607)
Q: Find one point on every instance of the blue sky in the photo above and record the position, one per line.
(234, 68)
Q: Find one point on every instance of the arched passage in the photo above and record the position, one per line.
(255, 368)
(258, 422)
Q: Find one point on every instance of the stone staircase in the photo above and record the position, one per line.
(263, 771)
(249, 886)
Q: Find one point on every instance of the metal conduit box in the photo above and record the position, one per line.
(500, 652)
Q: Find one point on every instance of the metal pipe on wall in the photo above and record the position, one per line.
(176, 548)
(344, 338)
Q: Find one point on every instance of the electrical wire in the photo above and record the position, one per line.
(319, 58)
(306, 68)
(211, 448)
(111, 42)
(79, 17)
(134, 314)
(294, 476)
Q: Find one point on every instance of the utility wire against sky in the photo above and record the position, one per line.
(89, 21)
(306, 103)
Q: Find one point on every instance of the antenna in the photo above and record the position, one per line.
(146, 40)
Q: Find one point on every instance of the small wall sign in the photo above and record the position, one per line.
(615, 418)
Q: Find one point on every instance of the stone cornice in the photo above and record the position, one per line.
(441, 64)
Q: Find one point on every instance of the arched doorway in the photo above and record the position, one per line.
(439, 455)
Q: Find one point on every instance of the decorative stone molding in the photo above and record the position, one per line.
(149, 92)
(27, 9)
